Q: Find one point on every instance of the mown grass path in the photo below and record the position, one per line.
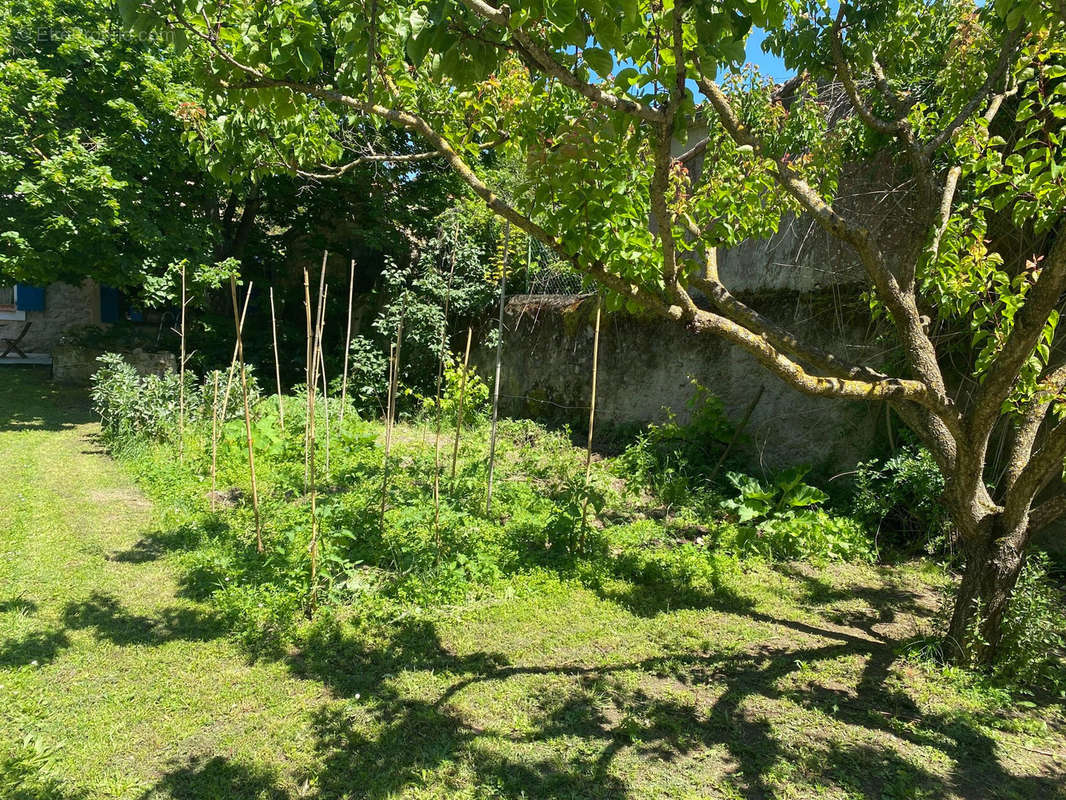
(125, 685)
(789, 685)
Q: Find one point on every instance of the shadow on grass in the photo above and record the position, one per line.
(769, 716)
(40, 647)
(108, 620)
(765, 717)
(19, 605)
(202, 778)
(29, 400)
(156, 545)
(389, 739)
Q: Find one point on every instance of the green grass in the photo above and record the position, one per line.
(119, 679)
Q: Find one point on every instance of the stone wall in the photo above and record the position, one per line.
(77, 365)
(646, 373)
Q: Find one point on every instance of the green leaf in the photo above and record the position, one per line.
(600, 60)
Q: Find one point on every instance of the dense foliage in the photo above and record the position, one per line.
(617, 529)
(95, 177)
(537, 518)
(955, 102)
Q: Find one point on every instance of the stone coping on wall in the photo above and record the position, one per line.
(77, 365)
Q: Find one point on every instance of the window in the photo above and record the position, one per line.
(9, 304)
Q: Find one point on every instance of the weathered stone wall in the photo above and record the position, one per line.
(647, 368)
(64, 307)
(77, 365)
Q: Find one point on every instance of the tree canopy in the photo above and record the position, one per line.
(95, 176)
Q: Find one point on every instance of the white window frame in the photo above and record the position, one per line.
(13, 314)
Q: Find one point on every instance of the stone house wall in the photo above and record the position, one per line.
(65, 306)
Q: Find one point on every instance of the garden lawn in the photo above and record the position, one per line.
(787, 683)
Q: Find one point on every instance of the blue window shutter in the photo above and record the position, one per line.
(109, 304)
(29, 298)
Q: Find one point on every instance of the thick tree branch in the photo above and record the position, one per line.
(920, 350)
(822, 360)
(1047, 513)
(890, 127)
(899, 128)
(1028, 428)
(792, 373)
(1042, 468)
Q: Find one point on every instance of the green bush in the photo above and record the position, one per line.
(1030, 656)
(131, 405)
(476, 404)
(676, 461)
(899, 497)
(368, 377)
(783, 520)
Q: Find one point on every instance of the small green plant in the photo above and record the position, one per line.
(759, 502)
(368, 377)
(676, 461)
(900, 499)
(575, 505)
(784, 520)
(475, 397)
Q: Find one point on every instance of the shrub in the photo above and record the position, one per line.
(783, 520)
(368, 377)
(900, 498)
(676, 461)
(475, 397)
(1032, 649)
(132, 405)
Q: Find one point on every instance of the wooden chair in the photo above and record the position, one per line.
(13, 344)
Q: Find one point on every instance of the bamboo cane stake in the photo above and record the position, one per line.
(316, 352)
(440, 381)
(181, 375)
(314, 338)
(390, 413)
(592, 420)
(347, 341)
(214, 442)
(277, 360)
(462, 398)
(388, 433)
(307, 382)
(322, 370)
(499, 357)
(247, 415)
(313, 546)
(233, 361)
(312, 371)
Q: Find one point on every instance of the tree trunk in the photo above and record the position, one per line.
(994, 560)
